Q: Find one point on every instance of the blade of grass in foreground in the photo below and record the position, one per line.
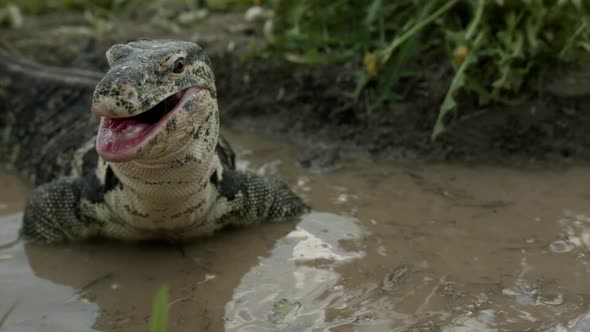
(417, 27)
(160, 311)
(449, 104)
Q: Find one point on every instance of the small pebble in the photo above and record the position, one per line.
(561, 246)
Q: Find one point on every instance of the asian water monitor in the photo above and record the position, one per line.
(147, 164)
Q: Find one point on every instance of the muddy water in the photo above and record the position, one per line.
(387, 248)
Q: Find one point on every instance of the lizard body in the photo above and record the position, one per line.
(156, 167)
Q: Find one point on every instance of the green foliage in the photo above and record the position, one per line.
(498, 48)
(159, 319)
(168, 15)
(225, 5)
(121, 7)
(36, 7)
(283, 310)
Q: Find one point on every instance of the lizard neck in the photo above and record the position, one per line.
(180, 174)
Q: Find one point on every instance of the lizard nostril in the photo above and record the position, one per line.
(130, 95)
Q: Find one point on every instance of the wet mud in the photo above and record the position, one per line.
(386, 248)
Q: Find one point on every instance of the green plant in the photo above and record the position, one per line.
(36, 7)
(159, 319)
(510, 45)
(497, 48)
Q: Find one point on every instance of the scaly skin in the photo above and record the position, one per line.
(179, 183)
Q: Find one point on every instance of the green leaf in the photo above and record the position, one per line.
(362, 79)
(373, 13)
(417, 27)
(159, 319)
(449, 104)
(283, 309)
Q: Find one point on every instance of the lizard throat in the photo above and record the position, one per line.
(157, 183)
(120, 139)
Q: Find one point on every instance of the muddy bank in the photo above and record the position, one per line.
(312, 105)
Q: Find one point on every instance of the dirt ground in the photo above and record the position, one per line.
(312, 105)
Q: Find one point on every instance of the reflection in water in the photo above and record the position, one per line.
(300, 270)
(39, 305)
(122, 279)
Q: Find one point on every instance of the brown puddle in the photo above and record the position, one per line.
(439, 248)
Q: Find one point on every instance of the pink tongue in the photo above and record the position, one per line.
(126, 130)
(121, 134)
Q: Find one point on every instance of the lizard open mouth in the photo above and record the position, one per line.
(119, 139)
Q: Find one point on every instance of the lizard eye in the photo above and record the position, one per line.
(178, 66)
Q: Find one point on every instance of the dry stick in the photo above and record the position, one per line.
(421, 308)
(84, 289)
(7, 313)
(8, 244)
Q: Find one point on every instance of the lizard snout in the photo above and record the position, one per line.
(115, 101)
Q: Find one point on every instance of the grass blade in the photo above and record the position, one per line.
(417, 27)
(457, 83)
(159, 320)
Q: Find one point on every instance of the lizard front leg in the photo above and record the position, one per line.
(55, 213)
(255, 199)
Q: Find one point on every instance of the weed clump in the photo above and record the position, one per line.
(497, 48)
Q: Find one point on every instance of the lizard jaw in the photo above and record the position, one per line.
(120, 139)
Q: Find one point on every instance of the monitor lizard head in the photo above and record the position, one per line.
(157, 97)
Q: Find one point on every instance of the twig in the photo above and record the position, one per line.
(7, 313)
